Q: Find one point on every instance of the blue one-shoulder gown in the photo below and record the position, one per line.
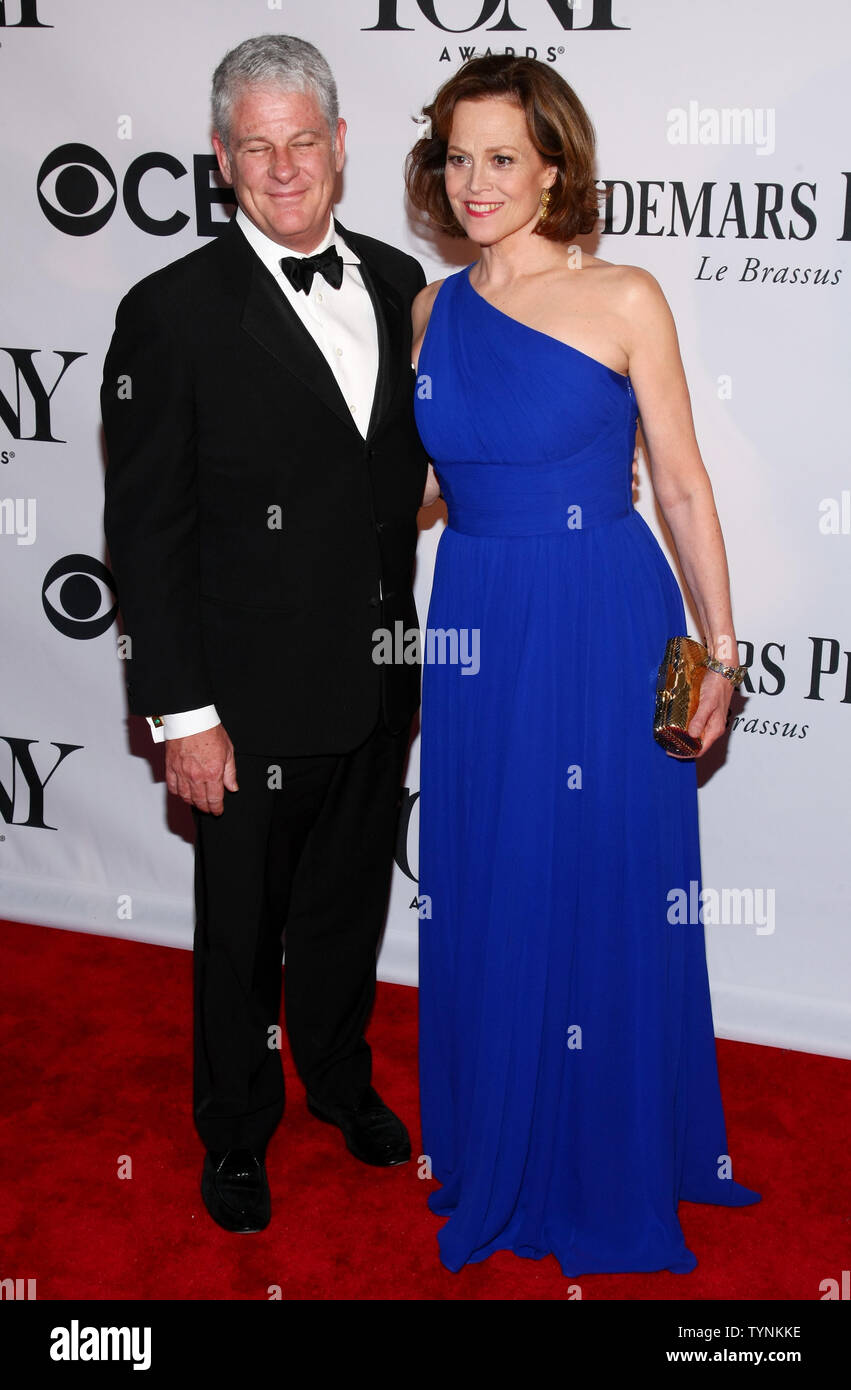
(570, 1094)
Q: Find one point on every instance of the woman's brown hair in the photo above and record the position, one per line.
(559, 128)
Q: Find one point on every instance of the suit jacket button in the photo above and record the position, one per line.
(374, 602)
(379, 525)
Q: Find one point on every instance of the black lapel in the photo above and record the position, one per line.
(389, 318)
(271, 321)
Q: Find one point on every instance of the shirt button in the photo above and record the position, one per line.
(339, 351)
(319, 299)
(353, 409)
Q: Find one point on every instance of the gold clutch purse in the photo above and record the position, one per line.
(677, 695)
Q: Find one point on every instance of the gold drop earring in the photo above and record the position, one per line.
(546, 195)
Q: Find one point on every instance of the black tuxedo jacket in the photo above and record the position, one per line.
(256, 539)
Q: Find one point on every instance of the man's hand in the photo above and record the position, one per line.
(200, 767)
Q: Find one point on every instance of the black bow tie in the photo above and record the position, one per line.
(300, 270)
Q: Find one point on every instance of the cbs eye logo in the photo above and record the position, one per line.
(78, 191)
(74, 593)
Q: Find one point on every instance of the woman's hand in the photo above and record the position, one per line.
(710, 718)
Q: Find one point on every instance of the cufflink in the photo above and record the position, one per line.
(156, 720)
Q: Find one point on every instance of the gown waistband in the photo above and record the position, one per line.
(510, 499)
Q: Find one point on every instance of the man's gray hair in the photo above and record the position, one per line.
(272, 60)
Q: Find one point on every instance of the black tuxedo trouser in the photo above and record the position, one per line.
(311, 857)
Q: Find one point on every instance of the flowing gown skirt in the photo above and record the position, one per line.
(569, 1085)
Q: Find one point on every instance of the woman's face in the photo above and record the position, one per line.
(494, 174)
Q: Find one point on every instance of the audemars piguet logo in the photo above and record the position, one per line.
(734, 214)
(737, 211)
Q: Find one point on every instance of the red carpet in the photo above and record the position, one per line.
(96, 1037)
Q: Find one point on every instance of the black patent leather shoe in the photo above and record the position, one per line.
(236, 1190)
(372, 1132)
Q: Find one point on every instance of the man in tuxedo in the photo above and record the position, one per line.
(261, 495)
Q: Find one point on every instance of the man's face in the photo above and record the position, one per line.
(283, 164)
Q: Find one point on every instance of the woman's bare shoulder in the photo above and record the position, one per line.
(631, 283)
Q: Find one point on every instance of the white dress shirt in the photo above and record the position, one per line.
(343, 326)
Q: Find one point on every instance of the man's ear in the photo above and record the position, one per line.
(222, 157)
(340, 145)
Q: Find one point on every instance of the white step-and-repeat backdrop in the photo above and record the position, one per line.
(723, 129)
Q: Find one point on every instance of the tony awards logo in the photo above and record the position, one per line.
(592, 14)
(21, 14)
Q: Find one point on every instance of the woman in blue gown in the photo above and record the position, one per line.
(569, 1085)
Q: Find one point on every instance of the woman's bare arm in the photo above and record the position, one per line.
(681, 483)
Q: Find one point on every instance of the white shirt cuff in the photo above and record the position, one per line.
(190, 721)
